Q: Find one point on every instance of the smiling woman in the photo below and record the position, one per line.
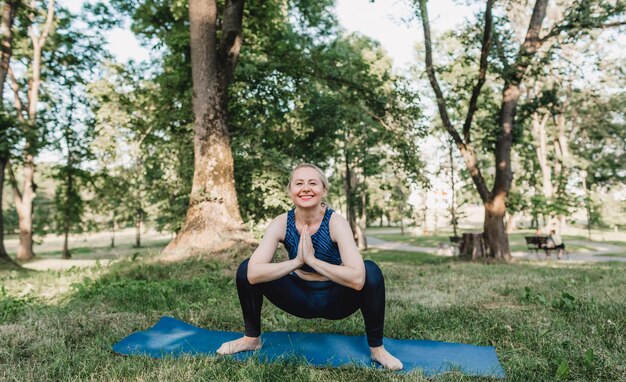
(324, 277)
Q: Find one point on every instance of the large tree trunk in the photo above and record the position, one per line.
(213, 215)
(494, 230)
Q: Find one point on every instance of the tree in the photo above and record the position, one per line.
(9, 9)
(39, 28)
(213, 213)
(79, 53)
(579, 17)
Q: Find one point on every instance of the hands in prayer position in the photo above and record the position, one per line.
(306, 252)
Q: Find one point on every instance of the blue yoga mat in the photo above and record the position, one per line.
(172, 337)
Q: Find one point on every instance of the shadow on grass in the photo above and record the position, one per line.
(106, 251)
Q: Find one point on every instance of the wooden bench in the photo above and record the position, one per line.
(535, 243)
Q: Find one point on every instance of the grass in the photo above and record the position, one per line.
(547, 321)
(574, 244)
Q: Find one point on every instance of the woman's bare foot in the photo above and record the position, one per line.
(382, 356)
(241, 344)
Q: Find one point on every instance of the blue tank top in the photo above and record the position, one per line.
(325, 249)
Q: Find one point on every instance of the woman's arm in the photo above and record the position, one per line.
(260, 267)
(351, 273)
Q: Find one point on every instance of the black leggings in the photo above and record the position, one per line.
(315, 299)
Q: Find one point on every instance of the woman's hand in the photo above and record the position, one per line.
(299, 259)
(308, 252)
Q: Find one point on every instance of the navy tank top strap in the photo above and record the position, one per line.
(292, 237)
(325, 249)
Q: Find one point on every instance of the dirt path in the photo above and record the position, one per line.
(61, 264)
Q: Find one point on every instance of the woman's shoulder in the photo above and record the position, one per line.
(335, 217)
(277, 227)
(280, 220)
(337, 225)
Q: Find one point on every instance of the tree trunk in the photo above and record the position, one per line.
(539, 129)
(66, 248)
(349, 185)
(6, 31)
(4, 256)
(587, 204)
(138, 221)
(362, 226)
(472, 246)
(6, 48)
(213, 215)
(494, 231)
(113, 231)
(67, 223)
(453, 209)
(24, 206)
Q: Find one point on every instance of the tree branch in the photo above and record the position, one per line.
(482, 71)
(469, 156)
(531, 43)
(230, 43)
(17, 195)
(48, 25)
(577, 19)
(8, 16)
(16, 92)
(430, 71)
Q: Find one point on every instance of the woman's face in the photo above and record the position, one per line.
(307, 189)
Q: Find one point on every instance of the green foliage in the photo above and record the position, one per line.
(10, 307)
(298, 89)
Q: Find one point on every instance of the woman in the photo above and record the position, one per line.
(325, 276)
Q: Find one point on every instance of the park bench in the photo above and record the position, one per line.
(535, 243)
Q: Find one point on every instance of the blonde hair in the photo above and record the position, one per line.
(323, 177)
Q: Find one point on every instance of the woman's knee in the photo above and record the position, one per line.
(242, 271)
(373, 274)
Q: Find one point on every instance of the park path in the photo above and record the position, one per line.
(398, 246)
(444, 250)
(64, 264)
(584, 257)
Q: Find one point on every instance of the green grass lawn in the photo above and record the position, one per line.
(547, 321)
(516, 241)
